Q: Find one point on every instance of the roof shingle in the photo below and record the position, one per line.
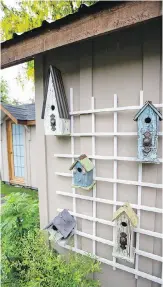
(24, 112)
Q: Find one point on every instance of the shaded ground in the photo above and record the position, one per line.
(7, 189)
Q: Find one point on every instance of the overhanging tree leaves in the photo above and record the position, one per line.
(4, 91)
(26, 15)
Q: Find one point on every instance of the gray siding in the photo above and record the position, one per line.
(123, 63)
(4, 155)
(30, 155)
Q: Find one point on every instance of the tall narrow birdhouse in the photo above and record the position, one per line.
(55, 107)
(83, 173)
(148, 126)
(125, 219)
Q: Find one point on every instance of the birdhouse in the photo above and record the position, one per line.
(125, 219)
(83, 173)
(55, 107)
(61, 228)
(148, 126)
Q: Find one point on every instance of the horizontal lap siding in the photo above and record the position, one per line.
(4, 154)
(123, 63)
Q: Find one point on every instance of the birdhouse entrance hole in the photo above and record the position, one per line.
(52, 107)
(147, 120)
(124, 224)
(79, 169)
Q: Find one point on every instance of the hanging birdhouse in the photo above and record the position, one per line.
(148, 126)
(83, 172)
(125, 219)
(61, 228)
(55, 107)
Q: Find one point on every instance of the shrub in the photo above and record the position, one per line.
(47, 268)
(19, 215)
(28, 261)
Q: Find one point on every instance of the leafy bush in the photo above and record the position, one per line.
(19, 215)
(28, 261)
(47, 268)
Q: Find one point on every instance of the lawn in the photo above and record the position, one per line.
(7, 189)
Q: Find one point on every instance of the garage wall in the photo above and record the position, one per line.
(123, 63)
(4, 155)
(30, 155)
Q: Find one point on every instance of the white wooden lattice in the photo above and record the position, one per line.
(139, 183)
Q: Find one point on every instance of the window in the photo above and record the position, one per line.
(18, 150)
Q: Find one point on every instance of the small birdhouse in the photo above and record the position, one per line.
(62, 227)
(125, 219)
(55, 107)
(148, 126)
(83, 173)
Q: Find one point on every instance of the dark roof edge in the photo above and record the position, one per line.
(82, 11)
(148, 103)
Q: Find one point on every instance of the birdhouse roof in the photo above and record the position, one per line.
(148, 103)
(85, 162)
(126, 208)
(64, 222)
(59, 92)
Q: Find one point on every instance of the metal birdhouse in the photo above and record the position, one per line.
(83, 173)
(55, 107)
(61, 228)
(148, 126)
(125, 219)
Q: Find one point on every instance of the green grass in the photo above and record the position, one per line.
(7, 189)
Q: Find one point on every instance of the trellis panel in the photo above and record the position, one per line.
(115, 180)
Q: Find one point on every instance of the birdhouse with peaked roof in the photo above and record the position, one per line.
(55, 110)
(61, 228)
(148, 118)
(125, 219)
(83, 173)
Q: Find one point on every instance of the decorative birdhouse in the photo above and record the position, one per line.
(62, 227)
(55, 108)
(148, 126)
(83, 173)
(125, 219)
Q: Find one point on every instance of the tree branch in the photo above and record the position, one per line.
(72, 7)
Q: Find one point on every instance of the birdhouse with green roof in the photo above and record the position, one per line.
(83, 173)
(125, 220)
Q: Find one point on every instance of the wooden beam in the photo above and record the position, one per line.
(10, 149)
(27, 123)
(84, 27)
(8, 114)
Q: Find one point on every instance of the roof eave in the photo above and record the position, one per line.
(103, 20)
(8, 114)
(152, 107)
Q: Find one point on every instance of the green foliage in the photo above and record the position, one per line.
(19, 215)
(30, 14)
(28, 261)
(47, 268)
(4, 91)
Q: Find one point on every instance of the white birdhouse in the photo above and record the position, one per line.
(125, 219)
(55, 107)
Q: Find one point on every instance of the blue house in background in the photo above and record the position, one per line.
(148, 127)
(83, 173)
